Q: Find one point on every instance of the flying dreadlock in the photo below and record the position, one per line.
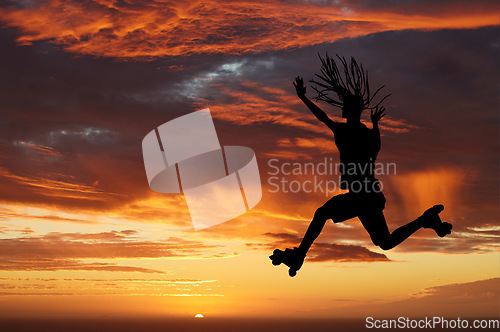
(354, 83)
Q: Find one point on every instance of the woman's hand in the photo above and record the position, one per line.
(299, 86)
(377, 114)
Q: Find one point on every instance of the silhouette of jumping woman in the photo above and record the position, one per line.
(358, 148)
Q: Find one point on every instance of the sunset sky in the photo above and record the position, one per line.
(82, 82)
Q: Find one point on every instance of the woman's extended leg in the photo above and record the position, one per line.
(339, 208)
(313, 231)
(376, 226)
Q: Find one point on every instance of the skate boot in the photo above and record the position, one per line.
(290, 257)
(430, 219)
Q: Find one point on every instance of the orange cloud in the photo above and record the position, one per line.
(65, 251)
(149, 29)
(41, 149)
(244, 102)
(50, 186)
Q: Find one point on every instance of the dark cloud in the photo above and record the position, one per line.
(470, 299)
(426, 7)
(326, 252)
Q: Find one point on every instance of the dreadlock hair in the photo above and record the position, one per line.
(352, 87)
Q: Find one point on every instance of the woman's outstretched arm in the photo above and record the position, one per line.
(318, 112)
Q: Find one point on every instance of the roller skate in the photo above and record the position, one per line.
(290, 257)
(430, 219)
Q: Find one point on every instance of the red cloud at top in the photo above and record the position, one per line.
(150, 29)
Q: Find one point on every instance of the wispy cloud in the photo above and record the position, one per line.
(108, 287)
(72, 251)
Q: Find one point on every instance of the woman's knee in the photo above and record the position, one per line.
(384, 243)
(320, 214)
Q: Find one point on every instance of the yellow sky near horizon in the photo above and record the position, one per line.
(241, 284)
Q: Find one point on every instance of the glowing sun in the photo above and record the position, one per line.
(199, 316)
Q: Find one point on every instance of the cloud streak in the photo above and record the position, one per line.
(73, 251)
(108, 287)
(469, 299)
